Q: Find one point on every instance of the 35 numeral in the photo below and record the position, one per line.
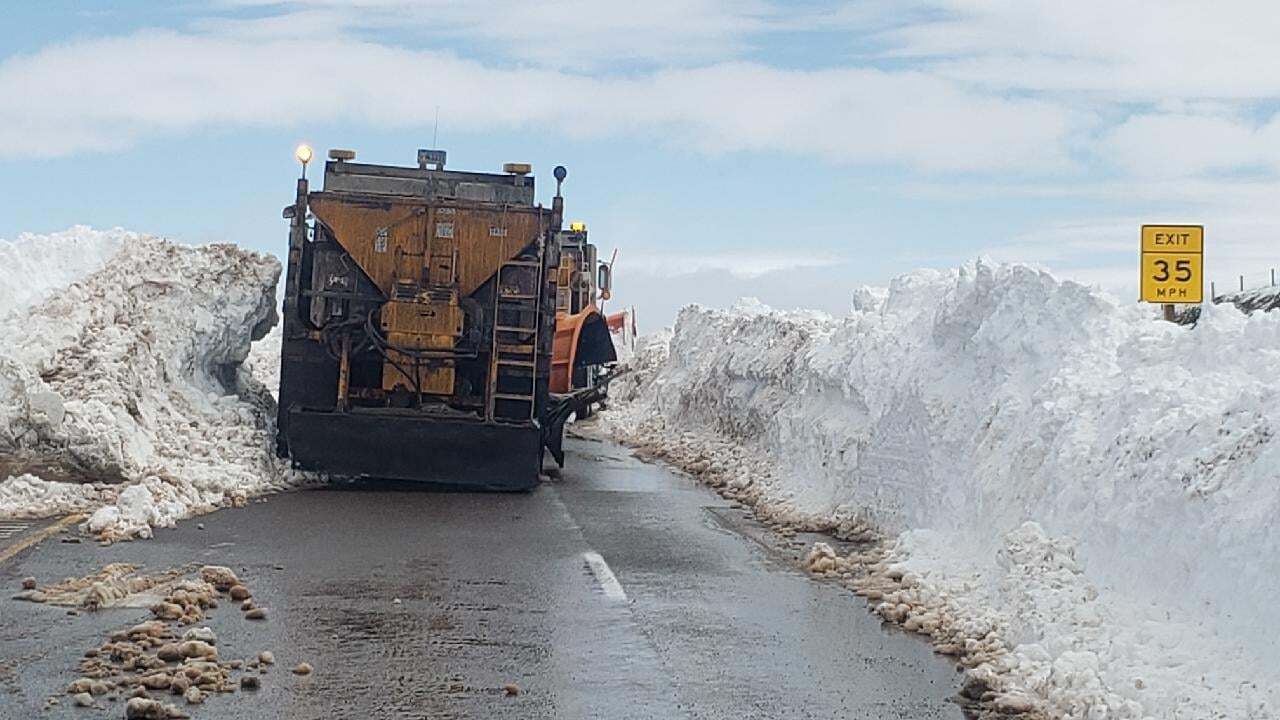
(1181, 270)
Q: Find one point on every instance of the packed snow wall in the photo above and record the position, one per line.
(120, 381)
(35, 265)
(958, 405)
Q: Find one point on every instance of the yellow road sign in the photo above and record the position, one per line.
(1172, 277)
(1172, 264)
(1173, 238)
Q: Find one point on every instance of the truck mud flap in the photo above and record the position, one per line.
(409, 446)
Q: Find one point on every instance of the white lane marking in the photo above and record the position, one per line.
(608, 582)
(9, 529)
(564, 510)
(599, 568)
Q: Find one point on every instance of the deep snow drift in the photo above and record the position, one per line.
(1084, 497)
(120, 387)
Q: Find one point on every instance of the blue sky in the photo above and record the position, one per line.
(791, 151)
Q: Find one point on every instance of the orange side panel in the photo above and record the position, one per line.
(584, 338)
(563, 348)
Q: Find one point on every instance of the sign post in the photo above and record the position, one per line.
(1172, 265)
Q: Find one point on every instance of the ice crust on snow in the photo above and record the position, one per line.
(1085, 492)
(121, 388)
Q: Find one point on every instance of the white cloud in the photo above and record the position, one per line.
(1036, 87)
(1184, 88)
(1070, 243)
(741, 264)
(110, 93)
(1122, 49)
(574, 34)
(1173, 144)
(1134, 50)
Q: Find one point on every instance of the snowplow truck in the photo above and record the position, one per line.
(419, 318)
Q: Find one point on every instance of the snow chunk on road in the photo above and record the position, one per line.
(956, 408)
(28, 496)
(128, 377)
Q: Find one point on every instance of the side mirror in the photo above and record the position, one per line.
(604, 278)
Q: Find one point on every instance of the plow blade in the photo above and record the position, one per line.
(405, 445)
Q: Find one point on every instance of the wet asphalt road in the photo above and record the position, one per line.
(710, 617)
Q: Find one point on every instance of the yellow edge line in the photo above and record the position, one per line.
(39, 536)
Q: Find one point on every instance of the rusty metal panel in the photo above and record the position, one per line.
(384, 238)
(444, 245)
(431, 380)
(429, 183)
(487, 238)
(421, 325)
(416, 317)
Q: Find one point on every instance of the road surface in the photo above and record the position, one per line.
(621, 590)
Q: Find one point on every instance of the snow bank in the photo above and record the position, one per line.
(263, 363)
(35, 265)
(127, 379)
(1083, 492)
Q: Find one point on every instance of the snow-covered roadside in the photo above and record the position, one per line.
(1078, 499)
(1258, 299)
(120, 388)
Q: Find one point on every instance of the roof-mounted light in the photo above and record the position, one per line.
(303, 155)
